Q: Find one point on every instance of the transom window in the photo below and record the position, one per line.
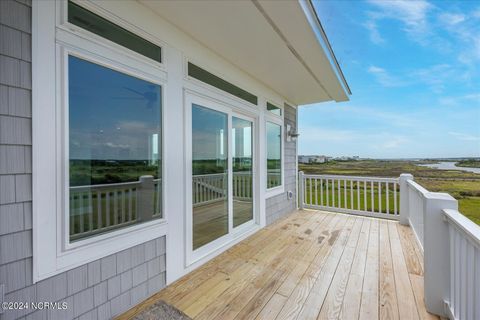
(211, 79)
(115, 156)
(274, 109)
(92, 22)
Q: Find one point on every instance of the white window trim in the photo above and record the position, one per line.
(51, 253)
(273, 118)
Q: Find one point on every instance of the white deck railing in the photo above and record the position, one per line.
(99, 208)
(464, 238)
(450, 241)
(368, 196)
(451, 246)
(416, 205)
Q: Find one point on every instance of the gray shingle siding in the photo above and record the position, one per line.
(278, 206)
(97, 290)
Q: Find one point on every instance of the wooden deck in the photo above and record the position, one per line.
(309, 265)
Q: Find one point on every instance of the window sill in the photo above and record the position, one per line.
(274, 191)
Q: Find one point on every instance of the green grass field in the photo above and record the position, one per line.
(356, 195)
(464, 186)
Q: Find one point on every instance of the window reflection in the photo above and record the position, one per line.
(242, 159)
(115, 149)
(210, 175)
(274, 155)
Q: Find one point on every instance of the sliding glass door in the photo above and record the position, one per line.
(222, 173)
(242, 161)
(209, 175)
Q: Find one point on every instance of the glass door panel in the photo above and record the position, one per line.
(242, 167)
(210, 175)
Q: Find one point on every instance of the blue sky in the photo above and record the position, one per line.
(414, 70)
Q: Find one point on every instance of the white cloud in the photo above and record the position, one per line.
(384, 78)
(454, 101)
(413, 15)
(451, 18)
(464, 136)
(394, 142)
(375, 36)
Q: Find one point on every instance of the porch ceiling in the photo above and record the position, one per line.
(273, 41)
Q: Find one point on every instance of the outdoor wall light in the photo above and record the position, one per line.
(291, 134)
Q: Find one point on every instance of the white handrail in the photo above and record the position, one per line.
(465, 225)
(368, 196)
(356, 178)
(463, 300)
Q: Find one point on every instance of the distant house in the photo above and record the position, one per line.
(312, 159)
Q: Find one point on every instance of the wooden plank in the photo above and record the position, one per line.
(304, 262)
(417, 285)
(272, 308)
(387, 292)
(369, 302)
(297, 306)
(353, 293)
(408, 247)
(406, 301)
(235, 306)
(309, 265)
(332, 304)
(256, 303)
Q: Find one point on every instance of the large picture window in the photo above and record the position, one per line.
(115, 157)
(274, 155)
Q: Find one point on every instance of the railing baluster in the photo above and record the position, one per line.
(115, 207)
(351, 194)
(310, 187)
(339, 202)
(358, 195)
(395, 212)
(327, 193)
(373, 201)
(333, 193)
(123, 199)
(107, 207)
(316, 191)
(386, 198)
(82, 212)
(321, 191)
(130, 204)
(365, 205)
(99, 210)
(90, 211)
(379, 197)
(345, 202)
(305, 190)
(73, 206)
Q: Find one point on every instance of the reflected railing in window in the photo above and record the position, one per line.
(209, 188)
(96, 209)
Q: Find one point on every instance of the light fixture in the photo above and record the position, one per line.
(291, 134)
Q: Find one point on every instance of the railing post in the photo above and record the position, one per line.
(404, 212)
(437, 251)
(301, 191)
(145, 194)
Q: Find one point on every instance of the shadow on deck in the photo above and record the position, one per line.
(309, 265)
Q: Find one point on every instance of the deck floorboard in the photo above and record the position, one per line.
(309, 265)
